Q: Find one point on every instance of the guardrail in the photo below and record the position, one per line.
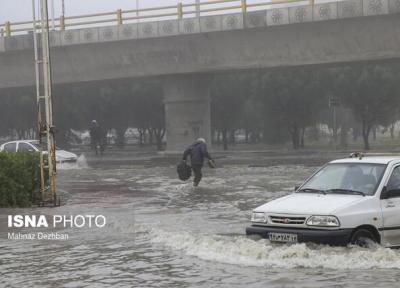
(120, 17)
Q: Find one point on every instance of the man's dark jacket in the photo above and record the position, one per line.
(197, 151)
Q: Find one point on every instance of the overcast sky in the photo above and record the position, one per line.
(15, 10)
(20, 10)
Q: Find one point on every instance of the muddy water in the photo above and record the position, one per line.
(161, 232)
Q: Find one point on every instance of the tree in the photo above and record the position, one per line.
(228, 95)
(372, 95)
(149, 111)
(291, 98)
(252, 119)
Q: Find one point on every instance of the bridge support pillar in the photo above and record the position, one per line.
(187, 110)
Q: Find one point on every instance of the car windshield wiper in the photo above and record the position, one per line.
(312, 190)
(345, 191)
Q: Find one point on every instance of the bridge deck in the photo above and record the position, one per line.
(238, 21)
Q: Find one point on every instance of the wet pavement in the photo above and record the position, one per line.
(162, 232)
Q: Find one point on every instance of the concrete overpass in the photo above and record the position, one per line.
(185, 52)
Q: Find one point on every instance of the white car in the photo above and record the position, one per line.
(348, 201)
(62, 156)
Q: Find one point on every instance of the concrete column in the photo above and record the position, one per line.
(187, 110)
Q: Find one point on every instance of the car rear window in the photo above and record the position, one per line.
(10, 147)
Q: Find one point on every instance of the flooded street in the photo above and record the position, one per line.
(162, 232)
(274, 90)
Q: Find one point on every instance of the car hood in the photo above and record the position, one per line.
(307, 203)
(62, 154)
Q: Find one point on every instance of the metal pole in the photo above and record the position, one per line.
(197, 8)
(334, 126)
(39, 113)
(62, 17)
(137, 10)
(53, 23)
(35, 46)
(48, 100)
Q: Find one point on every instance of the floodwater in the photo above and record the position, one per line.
(162, 232)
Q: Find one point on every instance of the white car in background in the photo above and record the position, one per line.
(62, 156)
(348, 201)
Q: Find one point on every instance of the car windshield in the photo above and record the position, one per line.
(35, 143)
(346, 178)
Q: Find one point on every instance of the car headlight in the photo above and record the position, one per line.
(323, 221)
(259, 217)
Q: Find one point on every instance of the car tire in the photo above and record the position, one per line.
(363, 238)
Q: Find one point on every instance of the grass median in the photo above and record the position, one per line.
(19, 179)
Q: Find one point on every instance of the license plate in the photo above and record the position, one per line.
(282, 237)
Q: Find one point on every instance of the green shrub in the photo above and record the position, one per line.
(19, 179)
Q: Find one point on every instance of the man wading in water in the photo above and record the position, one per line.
(197, 151)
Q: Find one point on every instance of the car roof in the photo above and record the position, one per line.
(34, 142)
(15, 141)
(369, 160)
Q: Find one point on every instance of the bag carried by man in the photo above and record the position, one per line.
(184, 171)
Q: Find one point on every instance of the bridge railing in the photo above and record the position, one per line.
(120, 16)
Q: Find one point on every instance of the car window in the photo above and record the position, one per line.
(362, 177)
(25, 147)
(10, 147)
(394, 180)
(328, 177)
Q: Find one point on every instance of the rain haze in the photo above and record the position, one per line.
(20, 10)
(250, 145)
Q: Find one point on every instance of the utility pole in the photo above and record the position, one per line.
(53, 22)
(334, 102)
(137, 10)
(63, 8)
(45, 105)
(197, 8)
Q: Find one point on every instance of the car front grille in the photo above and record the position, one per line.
(287, 220)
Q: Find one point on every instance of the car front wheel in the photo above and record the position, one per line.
(363, 238)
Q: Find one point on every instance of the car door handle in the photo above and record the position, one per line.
(390, 205)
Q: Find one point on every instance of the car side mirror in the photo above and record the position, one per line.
(384, 194)
(296, 188)
(390, 193)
